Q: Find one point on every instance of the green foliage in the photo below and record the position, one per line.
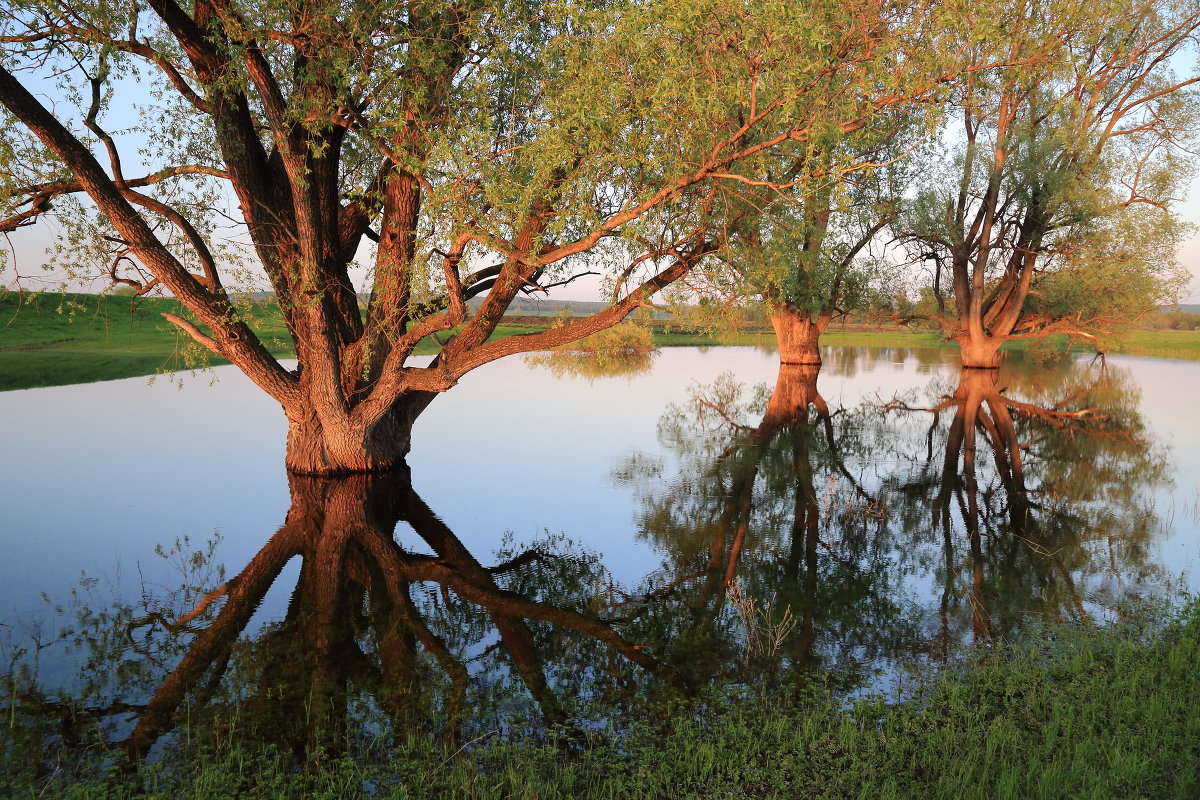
(1096, 712)
(566, 122)
(1053, 209)
(623, 338)
(627, 349)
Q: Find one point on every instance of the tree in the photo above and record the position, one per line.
(487, 149)
(800, 242)
(1054, 213)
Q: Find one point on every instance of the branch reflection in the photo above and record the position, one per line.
(897, 531)
(370, 621)
(1043, 505)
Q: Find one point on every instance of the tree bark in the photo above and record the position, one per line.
(798, 334)
(324, 442)
(978, 350)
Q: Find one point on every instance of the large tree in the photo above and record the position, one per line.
(1054, 211)
(484, 148)
(803, 241)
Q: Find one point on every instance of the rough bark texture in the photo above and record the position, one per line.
(798, 334)
(327, 137)
(332, 444)
(978, 350)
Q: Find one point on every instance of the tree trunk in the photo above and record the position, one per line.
(978, 350)
(331, 444)
(798, 334)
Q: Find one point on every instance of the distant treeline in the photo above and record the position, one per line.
(1179, 318)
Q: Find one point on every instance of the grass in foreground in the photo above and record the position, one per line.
(1099, 713)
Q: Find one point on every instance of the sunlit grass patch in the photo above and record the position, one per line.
(1163, 344)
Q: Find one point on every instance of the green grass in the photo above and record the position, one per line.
(52, 339)
(846, 336)
(1092, 713)
(1163, 344)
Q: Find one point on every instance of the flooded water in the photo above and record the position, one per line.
(564, 540)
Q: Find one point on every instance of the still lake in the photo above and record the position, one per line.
(889, 510)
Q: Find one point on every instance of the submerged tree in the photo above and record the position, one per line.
(806, 245)
(486, 149)
(1054, 212)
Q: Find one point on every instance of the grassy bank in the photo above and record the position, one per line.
(837, 335)
(1097, 713)
(54, 339)
(1162, 344)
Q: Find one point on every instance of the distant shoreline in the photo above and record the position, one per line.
(52, 339)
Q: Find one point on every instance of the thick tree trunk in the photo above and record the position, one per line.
(318, 446)
(978, 350)
(798, 334)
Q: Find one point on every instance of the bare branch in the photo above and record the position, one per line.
(194, 332)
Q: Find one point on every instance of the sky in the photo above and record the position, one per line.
(1189, 253)
(23, 267)
(24, 255)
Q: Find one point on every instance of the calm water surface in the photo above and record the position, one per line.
(709, 519)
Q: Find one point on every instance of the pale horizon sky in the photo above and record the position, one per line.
(29, 246)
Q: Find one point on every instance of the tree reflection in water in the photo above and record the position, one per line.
(763, 478)
(892, 532)
(377, 639)
(901, 530)
(1042, 505)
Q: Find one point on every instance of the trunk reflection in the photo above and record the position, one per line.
(355, 626)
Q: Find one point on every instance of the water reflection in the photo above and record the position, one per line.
(593, 364)
(1042, 505)
(431, 643)
(769, 499)
(901, 530)
(851, 361)
(797, 539)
